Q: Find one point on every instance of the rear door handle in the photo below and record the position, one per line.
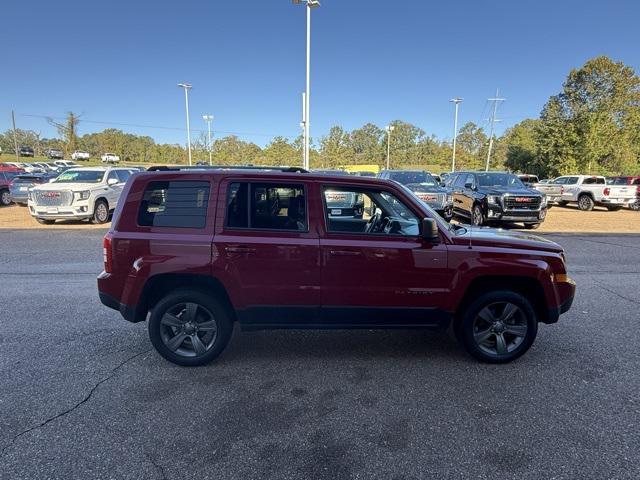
(239, 249)
(345, 253)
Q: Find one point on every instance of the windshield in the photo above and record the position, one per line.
(498, 180)
(429, 182)
(411, 177)
(80, 176)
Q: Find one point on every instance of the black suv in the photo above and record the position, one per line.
(25, 151)
(496, 197)
(426, 187)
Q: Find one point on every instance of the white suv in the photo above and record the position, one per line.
(79, 193)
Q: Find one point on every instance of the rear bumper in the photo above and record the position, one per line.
(127, 312)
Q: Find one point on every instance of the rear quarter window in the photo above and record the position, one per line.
(177, 204)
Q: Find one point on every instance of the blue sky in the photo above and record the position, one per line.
(372, 61)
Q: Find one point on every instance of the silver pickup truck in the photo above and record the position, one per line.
(588, 191)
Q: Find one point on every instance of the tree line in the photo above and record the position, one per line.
(591, 126)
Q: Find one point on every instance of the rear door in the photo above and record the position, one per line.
(267, 251)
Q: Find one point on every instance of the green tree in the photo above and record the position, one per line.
(520, 142)
(335, 148)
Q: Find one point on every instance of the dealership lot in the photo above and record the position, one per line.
(84, 396)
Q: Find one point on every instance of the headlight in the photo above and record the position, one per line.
(493, 199)
(84, 195)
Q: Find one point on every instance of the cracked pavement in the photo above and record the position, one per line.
(84, 396)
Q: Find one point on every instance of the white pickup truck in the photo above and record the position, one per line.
(110, 158)
(589, 191)
(79, 193)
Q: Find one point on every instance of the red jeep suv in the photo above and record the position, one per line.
(195, 251)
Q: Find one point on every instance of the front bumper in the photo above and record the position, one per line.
(79, 209)
(566, 292)
(496, 213)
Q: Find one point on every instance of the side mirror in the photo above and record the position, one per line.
(430, 230)
(468, 185)
(112, 181)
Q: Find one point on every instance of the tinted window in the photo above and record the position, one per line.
(594, 181)
(123, 175)
(267, 206)
(408, 177)
(571, 180)
(181, 204)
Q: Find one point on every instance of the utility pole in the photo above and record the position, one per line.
(493, 120)
(187, 87)
(208, 119)
(15, 135)
(389, 129)
(456, 101)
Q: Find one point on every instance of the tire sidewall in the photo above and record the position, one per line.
(587, 206)
(221, 315)
(473, 215)
(465, 326)
(4, 195)
(95, 218)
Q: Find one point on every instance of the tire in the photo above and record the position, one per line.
(477, 217)
(5, 198)
(175, 307)
(45, 221)
(531, 226)
(100, 212)
(635, 206)
(480, 337)
(585, 203)
(614, 209)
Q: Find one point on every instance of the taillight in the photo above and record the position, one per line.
(606, 192)
(107, 253)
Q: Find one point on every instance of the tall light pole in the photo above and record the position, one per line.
(187, 87)
(389, 129)
(456, 101)
(208, 119)
(310, 4)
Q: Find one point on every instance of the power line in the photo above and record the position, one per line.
(160, 127)
(493, 120)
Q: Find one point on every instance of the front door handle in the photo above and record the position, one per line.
(345, 253)
(239, 249)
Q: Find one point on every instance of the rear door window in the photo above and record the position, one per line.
(267, 206)
(179, 204)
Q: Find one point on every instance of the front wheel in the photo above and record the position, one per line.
(477, 218)
(100, 212)
(498, 327)
(190, 327)
(635, 206)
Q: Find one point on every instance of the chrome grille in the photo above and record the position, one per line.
(53, 198)
(521, 202)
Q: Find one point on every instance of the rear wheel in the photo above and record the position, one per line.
(585, 203)
(100, 212)
(477, 218)
(5, 198)
(189, 327)
(498, 327)
(635, 206)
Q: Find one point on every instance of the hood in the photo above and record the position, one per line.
(75, 187)
(497, 237)
(510, 190)
(422, 188)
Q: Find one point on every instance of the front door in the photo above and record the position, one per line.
(377, 270)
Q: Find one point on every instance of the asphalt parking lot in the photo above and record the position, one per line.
(84, 396)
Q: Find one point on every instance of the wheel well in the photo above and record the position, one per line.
(588, 194)
(159, 286)
(528, 287)
(103, 199)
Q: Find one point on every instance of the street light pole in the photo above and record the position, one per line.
(187, 87)
(209, 119)
(457, 102)
(310, 4)
(389, 129)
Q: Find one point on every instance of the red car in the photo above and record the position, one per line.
(633, 180)
(196, 251)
